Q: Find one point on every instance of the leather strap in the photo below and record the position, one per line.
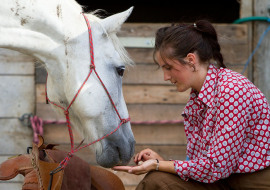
(44, 168)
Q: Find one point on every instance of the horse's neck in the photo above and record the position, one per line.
(38, 28)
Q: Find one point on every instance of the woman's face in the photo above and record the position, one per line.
(180, 75)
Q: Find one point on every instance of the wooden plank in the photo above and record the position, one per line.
(174, 152)
(160, 134)
(14, 138)
(46, 112)
(237, 33)
(154, 112)
(144, 74)
(17, 95)
(235, 54)
(262, 55)
(229, 50)
(137, 42)
(233, 39)
(141, 55)
(58, 134)
(246, 8)
(138, 94)
(138, 112)
(140, 29)
(167, 134)
(138, 74)
(152, 75)
(232, 33)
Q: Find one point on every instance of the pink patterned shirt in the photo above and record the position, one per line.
(227, 128)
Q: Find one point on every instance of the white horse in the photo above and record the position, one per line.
(55, 33)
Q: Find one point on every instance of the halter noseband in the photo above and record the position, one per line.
(63, 163)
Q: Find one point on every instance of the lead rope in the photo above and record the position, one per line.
(64, 162)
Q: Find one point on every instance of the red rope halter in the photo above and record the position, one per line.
(63, 164)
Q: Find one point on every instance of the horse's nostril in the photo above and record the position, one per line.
(118, 150)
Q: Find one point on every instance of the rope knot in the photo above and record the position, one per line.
(66, 112)
(92, 66)
(125, 120)
(70, 154)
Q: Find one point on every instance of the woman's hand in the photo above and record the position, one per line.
(147, 154)
(139, 169)
(145, 162)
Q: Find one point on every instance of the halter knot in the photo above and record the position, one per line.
(66, 112)
(92, 66)
(70, 154)
(125, 120)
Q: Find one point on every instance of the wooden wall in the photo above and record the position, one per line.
(17, 87)
(148, 97)
(261, 58)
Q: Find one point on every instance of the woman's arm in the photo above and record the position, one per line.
(147, 166)
(147, 160)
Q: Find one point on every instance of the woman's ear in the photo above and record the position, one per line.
(191, 60)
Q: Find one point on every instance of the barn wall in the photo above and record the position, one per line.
(148, 97)
(17, 86)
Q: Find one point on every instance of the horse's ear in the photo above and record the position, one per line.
(113, 23)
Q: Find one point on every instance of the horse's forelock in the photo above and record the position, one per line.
(121, 50)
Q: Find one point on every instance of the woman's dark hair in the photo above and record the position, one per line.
(176, 41)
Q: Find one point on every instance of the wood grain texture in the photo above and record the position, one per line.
(137, 112)
(262, 55)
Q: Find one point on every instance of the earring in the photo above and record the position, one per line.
(193, 66)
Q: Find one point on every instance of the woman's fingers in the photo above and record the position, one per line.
(122, 168)
(144, 154)
(130, 169)
(139, 169)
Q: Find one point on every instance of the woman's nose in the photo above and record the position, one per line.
(166, 76)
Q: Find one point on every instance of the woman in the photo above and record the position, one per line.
(226, 118)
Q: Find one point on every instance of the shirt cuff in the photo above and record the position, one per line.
(182, 169)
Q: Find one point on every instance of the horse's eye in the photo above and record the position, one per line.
(120, 70)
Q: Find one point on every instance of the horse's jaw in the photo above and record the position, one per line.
(111, 152)
(115, 149)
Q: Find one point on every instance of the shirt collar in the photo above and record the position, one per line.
(208, 90)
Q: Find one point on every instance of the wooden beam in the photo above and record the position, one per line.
(262, 55)
(138, 42)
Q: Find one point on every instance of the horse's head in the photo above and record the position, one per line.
(56, 34)
(93, 113)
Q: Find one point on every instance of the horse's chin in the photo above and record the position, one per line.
(112, 155)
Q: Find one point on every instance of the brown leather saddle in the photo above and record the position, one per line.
(37, 166)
